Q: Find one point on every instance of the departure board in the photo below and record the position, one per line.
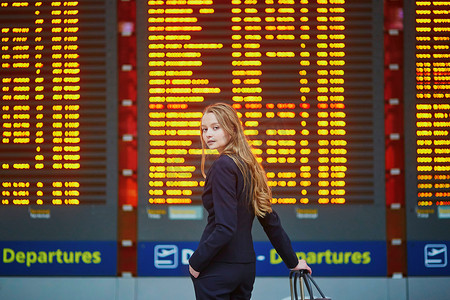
(305, 78)
(427, 110)
(58, 116)
(53, 103)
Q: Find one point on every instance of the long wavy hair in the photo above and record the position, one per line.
(240, 151)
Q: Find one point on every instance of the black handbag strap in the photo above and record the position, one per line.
(315, 284)
(308, 285)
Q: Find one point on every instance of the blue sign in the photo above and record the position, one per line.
(164, 258)
(73, 258)
(325, 258)
(428, 258)
(346, 258)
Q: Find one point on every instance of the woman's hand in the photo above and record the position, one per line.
(302, 265)
(194, 273)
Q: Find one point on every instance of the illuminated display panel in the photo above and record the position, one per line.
(297, 72)
(307, 80)
(53, 103)
(427, 110)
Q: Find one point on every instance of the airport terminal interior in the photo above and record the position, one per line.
(345, 104)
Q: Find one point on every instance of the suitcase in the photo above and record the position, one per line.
(303, 279)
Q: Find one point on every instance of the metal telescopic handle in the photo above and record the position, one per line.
(294, 294)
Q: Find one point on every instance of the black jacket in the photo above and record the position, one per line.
(227, 236)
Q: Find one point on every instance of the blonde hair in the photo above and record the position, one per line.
(240, 151)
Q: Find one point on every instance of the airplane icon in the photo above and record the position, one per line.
(166, 256)
(435, 255)
(435, 251)
(166, 252)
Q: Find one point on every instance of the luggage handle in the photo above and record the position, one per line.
(303, 274)
(296, 274)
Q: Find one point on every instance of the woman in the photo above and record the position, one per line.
(236, 190)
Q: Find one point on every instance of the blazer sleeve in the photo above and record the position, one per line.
(280, 241)
(223, 179)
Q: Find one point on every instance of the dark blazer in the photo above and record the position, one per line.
(227, 236)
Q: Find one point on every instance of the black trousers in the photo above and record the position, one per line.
(225, 281)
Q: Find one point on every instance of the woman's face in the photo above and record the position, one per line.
(213, 134)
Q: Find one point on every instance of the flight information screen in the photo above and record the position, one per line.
(427, 140)
(427, 110)
(53, 103)
(58, 158)
(301, 76)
